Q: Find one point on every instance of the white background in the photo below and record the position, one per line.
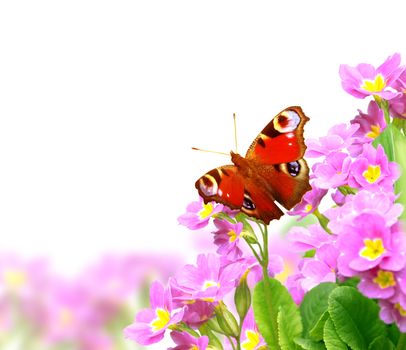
(100, 102)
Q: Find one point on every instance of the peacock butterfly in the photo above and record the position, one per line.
(273, 170)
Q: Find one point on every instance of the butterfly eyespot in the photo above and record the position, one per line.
(287, 121)
(247, 203)
(208, 185)
(293, 168)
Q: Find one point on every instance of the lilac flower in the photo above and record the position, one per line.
(397, 106)
(209, 280)
(371, 125)
(369, 243)
(185, 341)
(197, 313)
(365, 80)
(338, 138)
(227, 238)
(150, 324)
(392, 311)
(198, 214)
(321, 268)
(294, 286)
(382, 284)
(372, 170)
(333, 172)
(309, 203)
(303, 239)
(251, 339)
(381, 203)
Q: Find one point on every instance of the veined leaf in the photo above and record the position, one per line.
(270, 298)
(331, 338)
(355, 317)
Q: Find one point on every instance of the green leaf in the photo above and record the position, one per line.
(213, 340)
(270, 297)
(288, 323)
(309, 344)
(331, 338)
(355, 317)
(314, 304)
(317, 331)
(381, 342)
(393, 333)
(394, 144)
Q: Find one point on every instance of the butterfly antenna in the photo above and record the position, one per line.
(206, 150)
(235, 132)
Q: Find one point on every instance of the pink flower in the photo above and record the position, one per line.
(369, 243)
(333, 172)
(185, 341)
(198, 214)
(309, 203)
(303, 239)
(397, 106)
(339, 137)
(150, 324)
(227, 238)
(197, 313)
(372, 170)
(381, 203)
(294, 286)
(209, 280)
(371, 125)
(365, 80)
(382, 284)
(250, 337)
(392, 311)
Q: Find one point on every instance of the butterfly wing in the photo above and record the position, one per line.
(277, 154)
(224, 185)
(281, 141)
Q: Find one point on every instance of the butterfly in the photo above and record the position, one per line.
(273, 170)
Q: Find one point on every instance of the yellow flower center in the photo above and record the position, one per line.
(14, 279)
(252, 340)
(206, 211)
(208, 284)
(373, 249)
(285, 273)
(194, 347)
(401, 310)
(372, 174)
(233, 236)
(376, 85)
(65, 318)
(385, 279)
(308, 208)
(375, 131)
(162, 319)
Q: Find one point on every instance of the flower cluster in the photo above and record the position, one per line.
(42, 310)
(358, 241)
(361, 235)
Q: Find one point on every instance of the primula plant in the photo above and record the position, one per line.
(349, 288)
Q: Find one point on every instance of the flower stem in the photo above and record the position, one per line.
(322, 220)
(401, 342)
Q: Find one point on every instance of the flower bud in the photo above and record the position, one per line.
(242, 296)
(226, 320)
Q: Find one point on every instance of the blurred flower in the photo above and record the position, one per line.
(198, 214)
(365, 80)
(391, 311)
(150, 324)
(185, 341)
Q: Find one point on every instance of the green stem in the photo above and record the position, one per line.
(231, 342)
(322, 220)
(401, 342)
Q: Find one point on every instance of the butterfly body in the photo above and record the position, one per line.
(273, 170)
